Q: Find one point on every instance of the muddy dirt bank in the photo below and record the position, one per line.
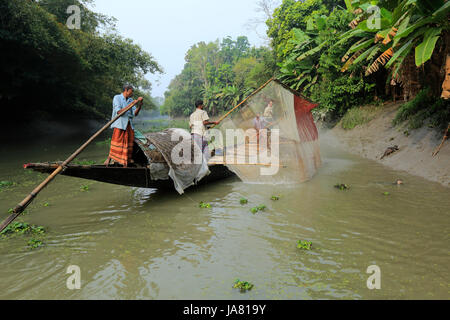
(415, 148)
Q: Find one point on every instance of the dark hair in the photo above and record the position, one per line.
(198, 103)
(127, 87)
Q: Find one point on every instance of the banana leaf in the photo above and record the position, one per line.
(425, 50)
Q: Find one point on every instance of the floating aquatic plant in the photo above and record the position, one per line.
(34, 243)
(244, 201)
(342, 186)
(6, 184)
(84, 188)
(205, 205)
(46, 204)
(275, 198)
(255, 210)
(23, 228)
(243, 285)
(305, 245)
(386, 194)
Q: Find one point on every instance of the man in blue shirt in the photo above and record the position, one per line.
(123, 135)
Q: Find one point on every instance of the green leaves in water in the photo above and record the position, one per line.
(244, 201)
(275, 198)
(46, 205)
(84, 188)
(35, 243)
(386, 194)
(26, 229)
(205, 205)
(23, 228)
(304, 245)
(342, 186)
(243, 285)
(255, 210)
(6, 184)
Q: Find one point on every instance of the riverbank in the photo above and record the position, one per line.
(370, 140)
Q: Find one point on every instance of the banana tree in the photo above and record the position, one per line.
(384, 33)
(299, 69)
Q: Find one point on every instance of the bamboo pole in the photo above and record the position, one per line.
(244, 101)
(26, 202)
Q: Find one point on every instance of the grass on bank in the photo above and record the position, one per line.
(422, 108)
(358, 116)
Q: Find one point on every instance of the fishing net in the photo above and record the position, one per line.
(186, 162)
(270, 138)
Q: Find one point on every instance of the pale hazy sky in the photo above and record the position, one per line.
(167, 29)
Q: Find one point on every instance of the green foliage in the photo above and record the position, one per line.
(386, 194)
(320, 55)
(6, 184)
(204, 205)
(313, 64)
(342, 186)
(220, 73)
(304, 245)
(424, 107)
(358, 116)
(339, 95)
(84, 188)
(275, 198)
(255, 210)
(34, 243)
(49, 69)
(404, 25)
(22, 228)
(244, 286)
(243, 201)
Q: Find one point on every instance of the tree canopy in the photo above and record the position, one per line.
(48, 69)
(221, 73)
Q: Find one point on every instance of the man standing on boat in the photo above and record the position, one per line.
(123, 135)
(197, 122)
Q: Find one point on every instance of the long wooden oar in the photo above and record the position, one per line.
(26, 202)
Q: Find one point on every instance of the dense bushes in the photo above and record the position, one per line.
(48, 69)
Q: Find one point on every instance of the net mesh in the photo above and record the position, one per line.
(271, 138)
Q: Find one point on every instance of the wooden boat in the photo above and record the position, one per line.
(139, 176)
(150, 170)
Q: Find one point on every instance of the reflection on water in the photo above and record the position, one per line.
(143, 244)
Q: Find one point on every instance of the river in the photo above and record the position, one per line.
(135, 243)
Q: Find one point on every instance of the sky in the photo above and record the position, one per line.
(167, 29)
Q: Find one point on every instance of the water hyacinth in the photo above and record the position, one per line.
(243, 285)
(305, 245)
(204, 205)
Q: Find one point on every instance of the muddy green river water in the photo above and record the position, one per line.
(134, 243)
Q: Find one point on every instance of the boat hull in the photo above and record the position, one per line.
(132, 177)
